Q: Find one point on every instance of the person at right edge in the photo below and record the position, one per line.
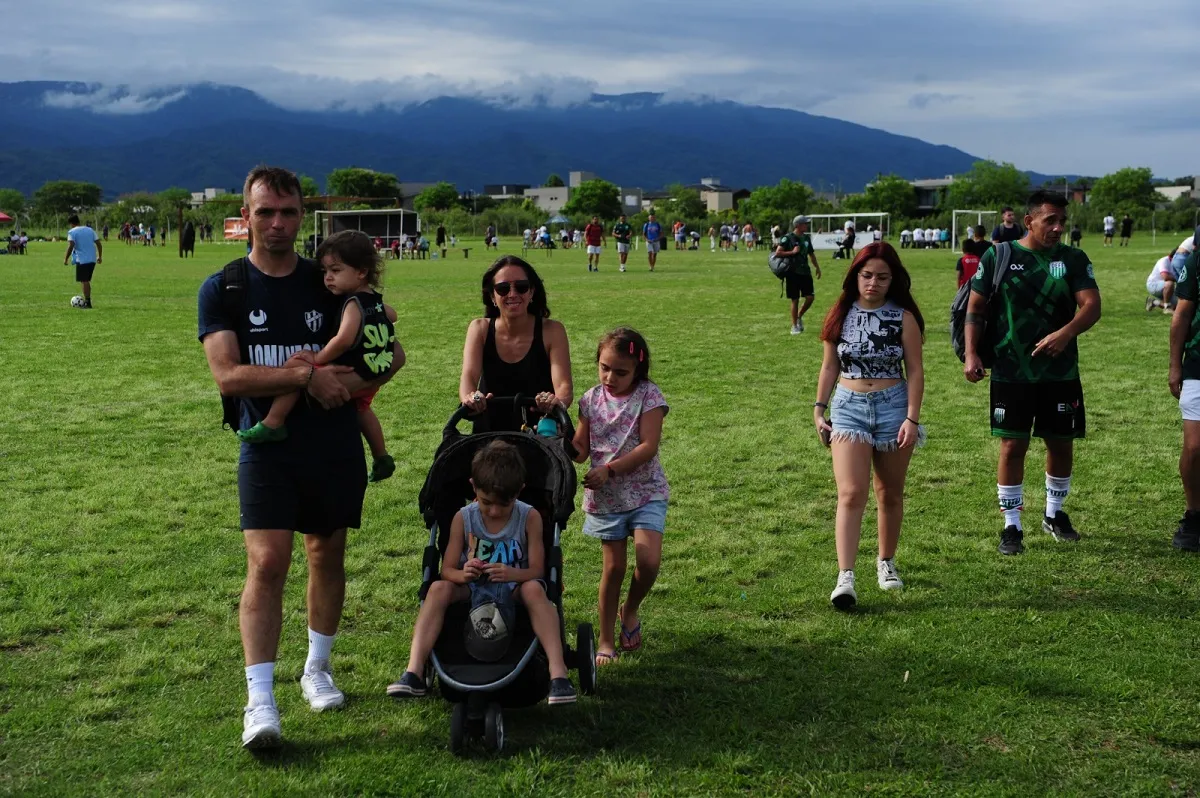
(1046, 299)
(1184, 380)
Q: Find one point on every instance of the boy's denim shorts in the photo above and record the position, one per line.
(619, 526)
(873, 417)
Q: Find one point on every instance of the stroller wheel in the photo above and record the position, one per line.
(428, 675)
(493, 733)
(585, 648)
(458, 724)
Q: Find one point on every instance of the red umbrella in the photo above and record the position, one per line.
(4, 217)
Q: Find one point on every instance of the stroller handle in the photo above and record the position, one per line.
(519, 402)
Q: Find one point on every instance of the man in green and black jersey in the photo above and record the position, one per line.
(1184, 379)
(798, 282)
(622, 231)
(1047, 297)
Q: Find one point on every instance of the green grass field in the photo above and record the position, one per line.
(1067, 670)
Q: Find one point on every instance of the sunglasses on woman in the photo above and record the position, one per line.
(520, 286)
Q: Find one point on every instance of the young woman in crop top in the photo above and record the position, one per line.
(873, 336)
(514, 349)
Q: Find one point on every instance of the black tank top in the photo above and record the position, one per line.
(371, 355)
(529, 376)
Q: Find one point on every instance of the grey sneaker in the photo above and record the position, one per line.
(889, 577)
(843, 596)
(319, 689)
(1151, 303)
(260, 724)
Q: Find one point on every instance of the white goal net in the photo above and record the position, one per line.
(964, 219)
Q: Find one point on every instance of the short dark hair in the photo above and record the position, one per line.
(537, 301)
(499, 470)
(354, 248)
(73, 219)
(1042, 197)
(1006, 209)
(628, 342)
(281, 181)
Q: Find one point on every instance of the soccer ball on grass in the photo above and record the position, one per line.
(78, 302)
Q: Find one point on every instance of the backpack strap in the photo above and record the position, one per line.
(1003, 259)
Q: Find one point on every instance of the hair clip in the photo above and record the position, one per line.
(631, 347)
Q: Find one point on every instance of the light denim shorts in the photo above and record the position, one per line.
(873, 417)
(619, 526)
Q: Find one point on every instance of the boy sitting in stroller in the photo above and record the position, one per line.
(496, 542)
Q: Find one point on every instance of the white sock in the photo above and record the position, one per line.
(260, 682)
(319, 647)
(1012, 502)
(1057, 489)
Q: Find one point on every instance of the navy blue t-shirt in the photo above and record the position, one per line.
(285, 315)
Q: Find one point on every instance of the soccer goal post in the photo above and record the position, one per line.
(970, 219)
(826, 228)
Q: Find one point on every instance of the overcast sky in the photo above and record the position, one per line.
(1079, 86)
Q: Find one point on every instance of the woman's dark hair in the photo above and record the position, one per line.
(537, 302)
(354, 249)
(628, 342)
(498, 469)
(900, 290)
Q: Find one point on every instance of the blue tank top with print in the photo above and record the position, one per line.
(508, 546)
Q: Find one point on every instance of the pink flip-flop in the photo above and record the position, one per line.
(631, 639)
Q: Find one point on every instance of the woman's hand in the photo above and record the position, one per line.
(477, 402)
(908, 435)
(596, 477)
(546, 401)
(824, 428)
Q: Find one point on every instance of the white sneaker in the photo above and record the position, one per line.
(800, 325)
(889, 577)
(622, 268)
(843, 596)
(795, 329)
(260, 724)
(319, 690)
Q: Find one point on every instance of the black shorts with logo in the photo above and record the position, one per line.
(1048, 409)
(798, 284)
(83, 272)
(310, 498)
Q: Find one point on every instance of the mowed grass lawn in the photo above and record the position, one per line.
(1070, 669)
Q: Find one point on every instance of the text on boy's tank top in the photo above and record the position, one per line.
(529, 376)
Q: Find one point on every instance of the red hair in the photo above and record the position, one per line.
(900, 290)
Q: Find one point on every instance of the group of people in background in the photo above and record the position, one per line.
(18, 243)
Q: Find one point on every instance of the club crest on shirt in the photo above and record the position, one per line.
(1091, 273)
(1058, 270)
(314, 318)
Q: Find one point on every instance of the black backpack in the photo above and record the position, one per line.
(233, 282)
(958, 308)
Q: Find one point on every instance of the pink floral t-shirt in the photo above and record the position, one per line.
(614, 430)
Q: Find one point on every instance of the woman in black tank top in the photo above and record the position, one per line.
(515, 349)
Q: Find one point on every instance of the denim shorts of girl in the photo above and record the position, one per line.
(619, 526)
(873, 417)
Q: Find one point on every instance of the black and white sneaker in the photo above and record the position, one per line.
(1060, 527)
(561, 691)
(410, 686)
(1011, 540)
(1187, 536)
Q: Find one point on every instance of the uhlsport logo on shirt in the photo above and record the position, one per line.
(313, 319)
(258, 317)
(1058, 270)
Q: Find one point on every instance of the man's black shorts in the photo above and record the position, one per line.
(314, 499)
(1048, 409)
(83, 272)
(798, 284)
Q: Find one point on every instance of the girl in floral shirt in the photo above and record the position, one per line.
(626, 492)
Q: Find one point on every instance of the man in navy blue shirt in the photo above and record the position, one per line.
(313, 482)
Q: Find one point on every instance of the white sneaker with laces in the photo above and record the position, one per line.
(319, 689)
(260, 724)
(843, 596)
(795, 329)
(889, 577)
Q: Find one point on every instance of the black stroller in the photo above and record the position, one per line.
(481, 690)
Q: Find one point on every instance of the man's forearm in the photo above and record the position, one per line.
(257, 381)
(1085, 318)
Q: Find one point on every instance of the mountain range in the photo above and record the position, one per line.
(210, 135)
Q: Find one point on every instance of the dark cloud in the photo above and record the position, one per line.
(1089, 83)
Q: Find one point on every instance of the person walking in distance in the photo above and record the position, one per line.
(1047, 297)
(622, 231)
(1110, 227)
(593, 236)
(652, 232)
(87, 251)
(1008, 229)
(798, 281)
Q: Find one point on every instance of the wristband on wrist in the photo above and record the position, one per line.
(913, 420)
(821, 405)
(611, 474)
(312, 369)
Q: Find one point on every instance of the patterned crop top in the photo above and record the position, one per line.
(870, 346)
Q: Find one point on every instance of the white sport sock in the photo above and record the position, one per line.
(319, 647)
(1012, 502)
(260, 682)
(1057, 489)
